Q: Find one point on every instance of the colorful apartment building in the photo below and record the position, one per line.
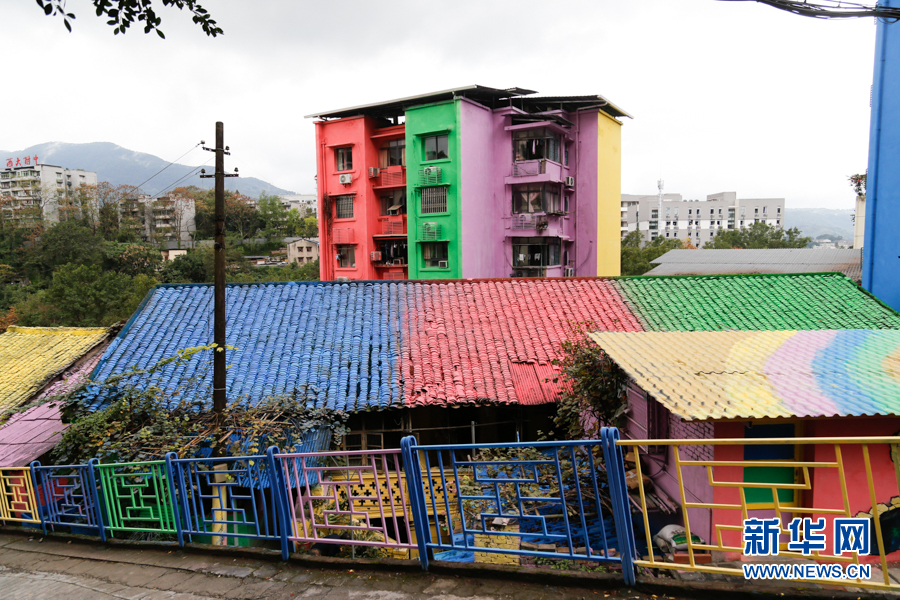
(472, 182)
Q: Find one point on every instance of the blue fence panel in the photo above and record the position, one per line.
(220, 499)
(559, 500)
(68, 497)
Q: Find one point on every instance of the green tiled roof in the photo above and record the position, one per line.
(754, 302)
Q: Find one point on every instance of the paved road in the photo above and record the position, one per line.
(31, 569)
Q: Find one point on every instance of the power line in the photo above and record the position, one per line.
(172, 163)
(830, 9)
(172, 185)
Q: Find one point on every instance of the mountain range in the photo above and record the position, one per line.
(813, 222)
(121, 166)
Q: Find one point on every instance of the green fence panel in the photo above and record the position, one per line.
(137, 497)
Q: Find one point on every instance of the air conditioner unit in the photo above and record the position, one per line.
(394, 211)
(570, 182)
(431, 170)
(570, 272)
(345, 179)
(375, 256)
(443, 264)
(343, 279)
(373, 171)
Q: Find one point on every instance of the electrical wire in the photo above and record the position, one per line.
(169, 165)
(172, 185)
(830, 9)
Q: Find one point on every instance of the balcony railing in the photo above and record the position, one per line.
(342, 235)
(391, 177)
(529, 167)
(392, 225)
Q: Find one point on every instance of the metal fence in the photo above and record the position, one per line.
(68, 498)
(17, 501)
(547, 500)
(825, 478)
(356, 498)
(226, 501)
(137, 497)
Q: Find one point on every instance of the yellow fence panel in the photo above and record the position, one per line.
(17, 500)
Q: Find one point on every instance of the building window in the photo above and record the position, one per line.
(393, 154)
(535, 252)
(667, 211)
(343, 158)
(765, 209)
(434, 200)
(436, 147)
(676, 212)
(654, 213)
(743, 210)
(712, 212)
(535, 144)
(343, 207)
(534, 198)
(435, 253)
(393, 203)
(689, 211)
(778, 210)
(346, 256)
(756, 211)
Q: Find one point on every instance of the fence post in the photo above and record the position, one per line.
(97, 498)
(281, 494)
(416, 496)
(35, 481)
(615, 474)
(174, 495)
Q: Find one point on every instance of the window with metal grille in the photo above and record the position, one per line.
(434, 200)
(346, 256)
(343, 206)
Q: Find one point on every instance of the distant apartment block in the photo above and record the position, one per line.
(301, 203)
(164, 219)
(32, 191)
(303, 251)
(696, 221)
(471, 182)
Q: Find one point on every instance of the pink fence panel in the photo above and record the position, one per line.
(355, 498)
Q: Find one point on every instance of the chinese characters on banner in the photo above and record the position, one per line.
(20, 162)
(761, 536)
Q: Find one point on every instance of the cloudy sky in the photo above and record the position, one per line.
(726, 96)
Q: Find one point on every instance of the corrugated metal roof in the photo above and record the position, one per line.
(373, 345)
(28, 435)
(752, 375)
(771, 260)
(31, 356)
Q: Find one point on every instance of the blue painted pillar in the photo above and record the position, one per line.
(881, 249)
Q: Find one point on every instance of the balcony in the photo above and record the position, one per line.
(390, 177)
(535, 171)
(343, 235)
(392, 225)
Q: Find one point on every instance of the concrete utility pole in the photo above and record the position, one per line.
(219, 363)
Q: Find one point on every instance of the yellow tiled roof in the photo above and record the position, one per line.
(29, 356)
(759, 374)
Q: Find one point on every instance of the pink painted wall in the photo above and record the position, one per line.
(826, 490)
(585, 197)
(482, 196)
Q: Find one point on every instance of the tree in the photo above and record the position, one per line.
(240, 216)
(272, 215)
(759, 235)
(68, 242)
(636, 259)
(858, 183)
(131, 259)
(122, 13)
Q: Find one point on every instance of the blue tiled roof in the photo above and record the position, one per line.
(331, 343)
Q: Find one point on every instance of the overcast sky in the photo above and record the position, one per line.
(726, 96)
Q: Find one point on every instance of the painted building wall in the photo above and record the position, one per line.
(364, 136)
(881, 249)
(483, 204)
(609, 195)
(421, 121)
(586, 158)
(826, 490)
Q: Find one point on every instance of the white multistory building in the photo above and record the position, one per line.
(696, 221)
(33, 191)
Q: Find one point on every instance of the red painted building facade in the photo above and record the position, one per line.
(361, 184)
